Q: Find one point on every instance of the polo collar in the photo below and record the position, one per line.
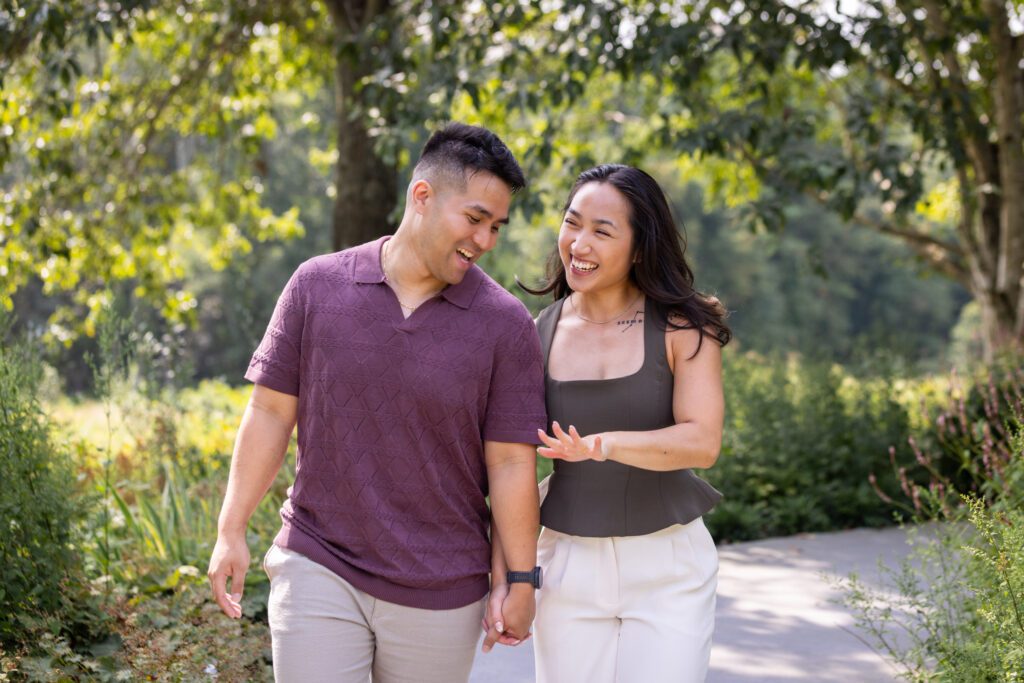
(368, 270)
(462, 294)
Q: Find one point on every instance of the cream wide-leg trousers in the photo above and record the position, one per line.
(626, 609)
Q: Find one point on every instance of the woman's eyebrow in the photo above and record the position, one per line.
(600, 221)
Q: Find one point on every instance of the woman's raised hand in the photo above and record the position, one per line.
(571, 446)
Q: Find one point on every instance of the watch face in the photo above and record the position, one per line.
(537, 577)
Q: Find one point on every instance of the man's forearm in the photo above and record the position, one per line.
(260, 448)
(515, 507)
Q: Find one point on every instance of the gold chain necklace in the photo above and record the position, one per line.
(604, 322)
(384, 269)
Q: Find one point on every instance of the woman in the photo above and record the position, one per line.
(634, 395)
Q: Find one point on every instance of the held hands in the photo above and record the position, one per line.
(230, 559)
(508, 616)
(571, 447)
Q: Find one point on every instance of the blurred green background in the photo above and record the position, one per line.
(849, 178)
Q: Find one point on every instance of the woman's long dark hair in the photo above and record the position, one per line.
(659, 256)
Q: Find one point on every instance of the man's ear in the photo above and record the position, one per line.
(421, 193)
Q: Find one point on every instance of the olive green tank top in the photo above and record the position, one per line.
(608, 498)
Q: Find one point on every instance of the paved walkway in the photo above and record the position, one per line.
(775, 621)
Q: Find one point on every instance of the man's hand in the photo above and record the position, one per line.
(230, 560)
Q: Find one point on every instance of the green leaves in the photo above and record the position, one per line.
(155, 152)
(954, 610)
(147, 164)
(801, 440)
(37, 512)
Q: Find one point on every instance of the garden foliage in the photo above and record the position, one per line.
(954, 610)
(801, 439)
(43, 590)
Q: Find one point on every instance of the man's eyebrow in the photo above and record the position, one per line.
(600, 221)
(487, 214)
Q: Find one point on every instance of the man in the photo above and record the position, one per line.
(417, 386)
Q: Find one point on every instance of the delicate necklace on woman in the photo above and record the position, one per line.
(384, 269)
(604, 322)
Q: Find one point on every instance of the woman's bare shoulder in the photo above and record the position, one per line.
(683, 340)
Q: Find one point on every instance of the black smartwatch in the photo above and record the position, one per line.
(531, 577)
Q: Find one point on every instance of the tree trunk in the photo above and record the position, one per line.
(990, 170)
(1009, 109)
(366, 186)
(998, 310)
(997, 323)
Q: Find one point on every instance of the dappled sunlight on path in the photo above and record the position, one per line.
(775, 618)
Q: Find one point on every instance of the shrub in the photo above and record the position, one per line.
(801, 438)
(40, 582)
(954, 610)
(919, 615)
(155, 458)
(997, 581)
(961, 448)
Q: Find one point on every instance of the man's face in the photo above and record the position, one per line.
(459, 226)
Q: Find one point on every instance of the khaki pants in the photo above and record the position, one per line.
(324, 629)
(625, 609)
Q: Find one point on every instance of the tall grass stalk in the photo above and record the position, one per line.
(107, 370)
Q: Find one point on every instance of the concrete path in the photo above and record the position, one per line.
(775, 621)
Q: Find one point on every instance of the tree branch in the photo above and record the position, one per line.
(972, 232)
(338, 9)
(975, 133)
(153, 115)
(945, 257)
(370, 12)
(351, 16)
(925, 240)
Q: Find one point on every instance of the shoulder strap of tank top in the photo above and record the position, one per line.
(547, 321)
(655, 355)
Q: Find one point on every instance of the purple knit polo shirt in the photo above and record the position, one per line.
(390, 479)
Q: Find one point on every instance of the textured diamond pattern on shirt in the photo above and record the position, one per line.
(390, 475)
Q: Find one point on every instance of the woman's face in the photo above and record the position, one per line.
(595, 241)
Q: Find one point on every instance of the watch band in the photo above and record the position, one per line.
(532, 577)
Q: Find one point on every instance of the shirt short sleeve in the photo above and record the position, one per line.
(515, 405)
(276, 361)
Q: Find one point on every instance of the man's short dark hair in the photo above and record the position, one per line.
(458, 151)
